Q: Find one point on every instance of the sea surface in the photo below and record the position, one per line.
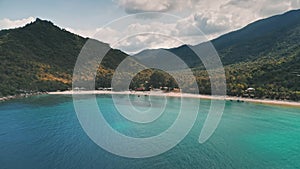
(43, 132)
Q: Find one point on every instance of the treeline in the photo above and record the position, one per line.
(153, 79)
(271, 78)
(41, 57)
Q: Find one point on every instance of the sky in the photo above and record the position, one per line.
(134, 25)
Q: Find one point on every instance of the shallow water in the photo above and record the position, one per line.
(44, 132)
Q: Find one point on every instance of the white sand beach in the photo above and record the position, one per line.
(185, 95)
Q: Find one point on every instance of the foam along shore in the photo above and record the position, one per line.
(185, 95)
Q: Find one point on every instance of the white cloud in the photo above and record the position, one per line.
(295, 4)
(134, 6)
(8, 23)
(137, 6)
(137, 43)
(82, 32)
(214, 18)
(260, 8)
(274, 7)
(209, 23)
(138, 36)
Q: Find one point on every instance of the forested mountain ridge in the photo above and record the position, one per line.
(41, 57)
(265, 55)
(278, 33)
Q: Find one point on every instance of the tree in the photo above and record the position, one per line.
(158, 79)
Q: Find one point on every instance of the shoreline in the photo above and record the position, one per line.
(25, 95)
(185, 95)
(163, 94)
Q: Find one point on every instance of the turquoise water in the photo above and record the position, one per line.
(44, 132)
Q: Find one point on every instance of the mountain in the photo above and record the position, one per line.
(183, 52)
(260, 38)
(247, 44)
(41, 57)
(264, 54)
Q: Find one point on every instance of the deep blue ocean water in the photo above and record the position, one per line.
(43, 132)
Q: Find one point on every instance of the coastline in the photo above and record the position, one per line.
(21, 96)
(185, 95)
(163, 94)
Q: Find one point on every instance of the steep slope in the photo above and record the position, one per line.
(274, 34)
(265, 55)
(41, 57)
(183, 52)
(257, 39)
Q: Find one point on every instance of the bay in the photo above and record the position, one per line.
(44, 132)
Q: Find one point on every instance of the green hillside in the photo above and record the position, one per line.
(41, 57)
(265, 55)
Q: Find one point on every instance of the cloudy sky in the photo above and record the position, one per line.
(133, 25)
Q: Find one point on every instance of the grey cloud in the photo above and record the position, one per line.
(262, 8)
(295, 4)
(212, 17)
(239, 3)
(140, 6)
(272, 8)
(141, 42)
(209, 24)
